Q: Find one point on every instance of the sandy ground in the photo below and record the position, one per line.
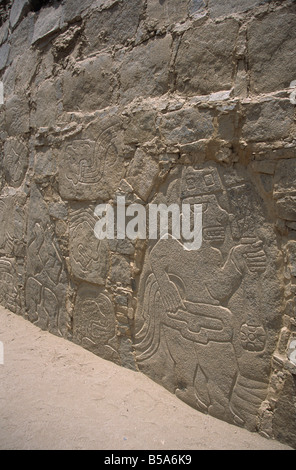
(56, 395)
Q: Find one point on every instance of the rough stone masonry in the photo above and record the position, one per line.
(159, 101)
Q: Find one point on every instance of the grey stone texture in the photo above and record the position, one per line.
(4, 54)
(209, 49)
(95, 322)
(113, 26)
(48, 22)
(21, 37)
(17, 114)
(165, 13)
(94, 81)
(224, 8)
(270, 46)
(144, 70)
(18, 11)
(4, 30)
(162, 102)
(15, 162)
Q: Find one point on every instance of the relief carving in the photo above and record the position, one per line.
(88, 168)
(46, 281)
(185, 319)
(89, 257)
(12, 225)
(15, 161)
(94, 322)
(9, 296)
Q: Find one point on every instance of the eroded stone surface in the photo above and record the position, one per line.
(46, 277)
(48, 22)
(94, 322)
(144, 71)
(209, 50)
(116, 25)
(4, 54)
(271, 51)
(89, 257)
(18, 10)
(226, 8)
(90, 169)
(91, 85)
(167, 12)
(15, 162)
(17, 115)
(13, 223)
(9, 295)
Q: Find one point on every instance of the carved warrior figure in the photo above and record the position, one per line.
(184, 316)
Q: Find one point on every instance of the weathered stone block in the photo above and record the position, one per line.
(46, 279)
(166, 12)
(9, 79)
(144, 70)
(90, 169)
(12, 225)
(18, 11)
(285, 176)
(91, 86)
(89, 257)
(94, 325)
(209, 51)
(140, 127)
(268, 120)
(271, 51)
(17, 115)
(9, 292)
(15, 161)
(4, 54)
(185, 126)
(228, 125)
(58, 210)
(142, 173)
(4, 30)
(286, 207)
(284, 422)
(44, 164)
(73, 9)
(291, 249)
(124, 247)
(219, 8)
(48, 22)
(45, 105)
(120, 270)
(115, 25)
(196, 5)
(21, 37)
(25, 66)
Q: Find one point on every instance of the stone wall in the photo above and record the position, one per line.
(163, 101)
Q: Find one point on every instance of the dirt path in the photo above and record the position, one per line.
(56, 395)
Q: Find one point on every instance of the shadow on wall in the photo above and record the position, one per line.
(36, 5)
(5, 6)
(31, 5)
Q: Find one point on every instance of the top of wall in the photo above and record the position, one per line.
(245, 46)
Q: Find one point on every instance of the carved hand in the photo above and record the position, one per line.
(249, 255)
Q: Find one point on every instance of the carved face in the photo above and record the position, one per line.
(215, 219)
